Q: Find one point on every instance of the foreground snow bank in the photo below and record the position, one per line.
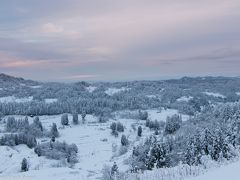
(212, 170)
(230, 171)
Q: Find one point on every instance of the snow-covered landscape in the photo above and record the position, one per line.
(119, 90)
(45, 137)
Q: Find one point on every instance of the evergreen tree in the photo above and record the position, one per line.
(124, 140)
(160, 155)
(114, 172)
(113, 127)
(54, 131)
(75, 118)
(83, 117)
(139, 131)
(24, 165)
(37, 123)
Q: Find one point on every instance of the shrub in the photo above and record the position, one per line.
(143, 115)
(124, 140)
(64, 119)
(155, 125)
(102, 119)
(122, 150)
(113, 126)
(57, 150)
(120, 127)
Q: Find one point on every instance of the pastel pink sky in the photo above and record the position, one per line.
(70, 40)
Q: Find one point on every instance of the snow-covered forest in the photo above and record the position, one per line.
(186, 128)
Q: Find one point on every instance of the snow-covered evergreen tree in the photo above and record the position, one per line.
(114, 172)
(75, 118)
(83, 116)
(124, 140)
(139, 132)
(24, 165)
(54, 131)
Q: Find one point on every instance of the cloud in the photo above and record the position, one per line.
(119, 39)
(51, 28)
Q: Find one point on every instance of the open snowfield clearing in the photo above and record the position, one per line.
(50, 100)
(91, 88)
(185, 98)
(95, 144)
(161, 115)
(112, 91)
(10, 99)
(35, 87)
(218, 95)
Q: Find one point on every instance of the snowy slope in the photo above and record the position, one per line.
(227, 172)
(95, 144)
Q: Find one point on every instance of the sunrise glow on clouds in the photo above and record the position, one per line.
(69, 40)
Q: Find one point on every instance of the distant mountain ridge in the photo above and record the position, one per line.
(8, 80)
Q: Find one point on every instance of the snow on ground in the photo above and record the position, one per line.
(214, 94)
(151, 96)
(112, 91)
(238, 93)
(161, 115)
(184, 98)
(91, 88)
(95, 144)
(12, 158)
(230, 171)
(50, 100)
(10, 99)
(1, 89)
(97, 147)
(35, 87)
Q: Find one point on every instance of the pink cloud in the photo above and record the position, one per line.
(10, 61)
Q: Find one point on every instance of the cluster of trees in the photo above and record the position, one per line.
(58, 150)
(214, 143)
(173, 123)
(214, 133)
(116, 127)
(25, 133)
(17, 139)
(22, 126)
(155, 125)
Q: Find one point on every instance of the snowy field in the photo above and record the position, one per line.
(218, 95)
(112, 91)
(97, 147)
(10, 99)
